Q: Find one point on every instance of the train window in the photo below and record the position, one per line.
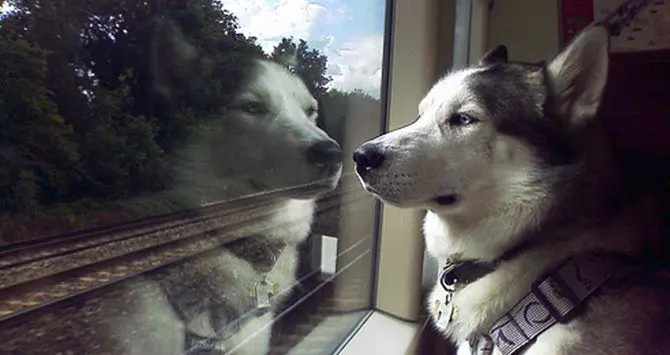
(175, 175)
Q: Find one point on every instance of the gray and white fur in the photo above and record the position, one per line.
(267, 140)
(507, 155)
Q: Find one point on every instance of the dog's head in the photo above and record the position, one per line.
(488, 129)
(267, 140)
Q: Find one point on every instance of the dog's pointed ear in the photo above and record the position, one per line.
(579, 73)
(494, 56)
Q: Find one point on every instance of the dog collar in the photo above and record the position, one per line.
(458, 274)
(554, 298)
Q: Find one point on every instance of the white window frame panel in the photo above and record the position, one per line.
(413, 52)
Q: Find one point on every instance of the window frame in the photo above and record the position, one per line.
(423, 40)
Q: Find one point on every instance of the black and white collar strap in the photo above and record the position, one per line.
(461, 273)
(456, 275)
(554, 298)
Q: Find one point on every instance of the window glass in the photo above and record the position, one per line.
(175, 175)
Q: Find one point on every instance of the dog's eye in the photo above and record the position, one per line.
(310, 111)
(459, 119)
(253, 107)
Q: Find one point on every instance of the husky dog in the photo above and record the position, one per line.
(222, 302)
(518, 178)
(267, 141)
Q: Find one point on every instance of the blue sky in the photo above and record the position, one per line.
(363, 18)
(349, 32)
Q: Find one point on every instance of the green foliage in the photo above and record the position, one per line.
(95, 96)
(121, 157)
(35, 142)
(308, 63)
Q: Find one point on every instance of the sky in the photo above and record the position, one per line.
(349, 32)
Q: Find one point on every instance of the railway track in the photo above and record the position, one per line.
(40, 260)
(15, 254)
(60, 273)
(13, 259)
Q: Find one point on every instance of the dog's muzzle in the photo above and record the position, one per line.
(367, 157)
(326, 156)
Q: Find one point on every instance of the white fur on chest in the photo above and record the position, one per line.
(289, 221)
(482, 302)
(292, 221)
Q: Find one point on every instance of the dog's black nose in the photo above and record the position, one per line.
(368, 157)
(325, 152)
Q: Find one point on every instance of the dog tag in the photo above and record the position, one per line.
(263, 292)
(444, 314)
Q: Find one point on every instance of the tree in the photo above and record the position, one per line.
(96, 94)
(35, 142)
(307, 63)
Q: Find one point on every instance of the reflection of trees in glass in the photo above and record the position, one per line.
(96, 95)
(35, 142)
(311, 66)
(308, 63)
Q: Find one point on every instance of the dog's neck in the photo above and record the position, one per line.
(535, 207)
(486, 231)
(510, 280)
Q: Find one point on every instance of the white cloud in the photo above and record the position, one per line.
(355, 64)
(358, 65)
(269, 23)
